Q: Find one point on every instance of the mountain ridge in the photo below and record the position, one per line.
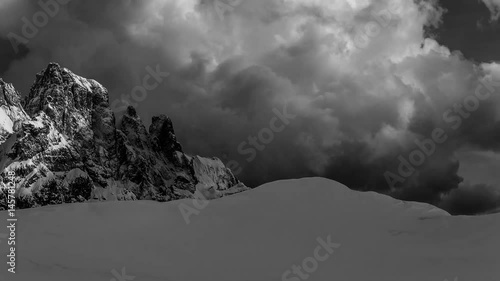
(63, 139)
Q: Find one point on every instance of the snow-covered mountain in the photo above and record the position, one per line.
(63, 144)
(315, 228)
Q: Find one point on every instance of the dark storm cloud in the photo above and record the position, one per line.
(233, 76)
(472, 200)
(467, 27)
(8, 55)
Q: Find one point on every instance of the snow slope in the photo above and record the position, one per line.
(256, 236)
(6, 123)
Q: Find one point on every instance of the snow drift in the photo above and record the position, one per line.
(257, 235)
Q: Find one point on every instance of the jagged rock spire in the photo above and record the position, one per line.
(8, 94)
(163, 135)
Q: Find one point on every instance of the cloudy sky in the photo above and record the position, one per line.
(345, 89)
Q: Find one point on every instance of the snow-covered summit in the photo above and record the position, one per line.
(70, 100)
(69, 126)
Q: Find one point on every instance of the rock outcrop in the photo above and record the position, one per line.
(11, 111)
(63, 138)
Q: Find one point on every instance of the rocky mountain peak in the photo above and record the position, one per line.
(133, 127)
(68, 99)
(131, 112)
(68, 141)
(163, 135)
(8, 95)
(11, 111)
(53, 74)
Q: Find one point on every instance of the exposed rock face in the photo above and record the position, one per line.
(11, 111)
(65, 131)
(163, 136)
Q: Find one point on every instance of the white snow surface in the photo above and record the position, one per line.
(5, 121)
(255, 236)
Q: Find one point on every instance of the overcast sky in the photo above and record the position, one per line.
(363, 79)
